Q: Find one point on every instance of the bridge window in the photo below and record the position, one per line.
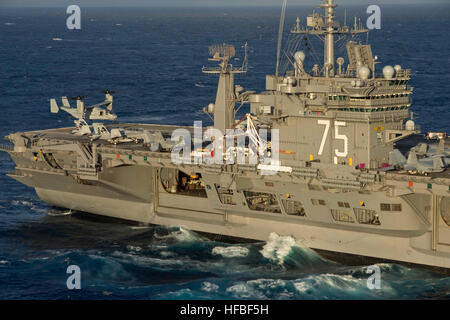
(318, 202)
(391, 207)
(344, 204)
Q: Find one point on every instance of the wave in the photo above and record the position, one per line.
(180, 234)
(209, 287)
(30, 205)
(230, 252)
(278, 247)
(286, 252)
(59, 213)
(176, 263)
(140, 227)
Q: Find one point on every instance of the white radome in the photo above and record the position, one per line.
(299, 57)
(388, 72)
(363, 73)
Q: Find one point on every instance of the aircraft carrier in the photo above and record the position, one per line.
(351, 174)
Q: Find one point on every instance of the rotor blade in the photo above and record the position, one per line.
(107, 91)
(65, 102)
(101, 104)
(78, 98)
(53, 106)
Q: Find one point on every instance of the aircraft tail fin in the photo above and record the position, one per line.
(53, 106)
(109, 98)
(412, 158)
(441, 147)
(80, 107)
(65, 102)
(438, 163)
(396, 158)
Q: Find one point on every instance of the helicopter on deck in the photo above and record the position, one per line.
(82, 112)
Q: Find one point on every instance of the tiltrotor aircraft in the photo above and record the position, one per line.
(93, 112)
(81, 112)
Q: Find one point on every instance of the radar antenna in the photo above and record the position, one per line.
(280, 35)
(325, 27)
(223, 109)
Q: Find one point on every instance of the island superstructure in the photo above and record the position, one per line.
(341, 184)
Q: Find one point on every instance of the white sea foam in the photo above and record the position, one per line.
(278, 247)
(181, 234)
(22, 203)
(167, 254)
(134, 248)
(259, 289)
(59, 214)
(28, 204)
(209, 287)
(139, 227)
(231, 252)
(240, 290)
(57, 39)
(337, 286)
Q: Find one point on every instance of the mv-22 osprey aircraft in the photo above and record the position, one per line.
(81, 112)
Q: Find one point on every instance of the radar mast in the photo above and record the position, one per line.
(224, 115)
(325, 27)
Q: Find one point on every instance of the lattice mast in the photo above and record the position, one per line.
(326, 27)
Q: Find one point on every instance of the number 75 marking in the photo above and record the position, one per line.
(338, 136)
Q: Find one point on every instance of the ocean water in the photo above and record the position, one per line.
(153, 59)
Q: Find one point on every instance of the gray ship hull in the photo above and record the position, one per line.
(136, 190)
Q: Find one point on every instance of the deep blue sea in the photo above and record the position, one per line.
(153, 59)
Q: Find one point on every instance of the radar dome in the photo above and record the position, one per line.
(410, 125)
(299, 57)
(398, 68)
(388, 72)
(363, 73)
